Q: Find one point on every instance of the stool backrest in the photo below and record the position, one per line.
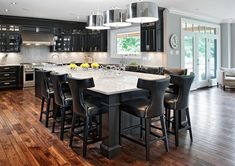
(77, 87)
(45, 83)
(183, 83)
(156, 90)
(57, 81)
(176, 71)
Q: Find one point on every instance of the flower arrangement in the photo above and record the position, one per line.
(73, 66)
(95, 65)
(85, 65)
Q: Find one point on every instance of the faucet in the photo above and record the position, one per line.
(58, 58)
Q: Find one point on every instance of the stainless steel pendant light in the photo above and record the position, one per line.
(96, 22)
(115, 18)
(142, 12)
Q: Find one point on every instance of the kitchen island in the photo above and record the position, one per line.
(110, 85)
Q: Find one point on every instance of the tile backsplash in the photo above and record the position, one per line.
(42, 54)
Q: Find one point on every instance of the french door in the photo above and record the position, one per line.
(199, 55)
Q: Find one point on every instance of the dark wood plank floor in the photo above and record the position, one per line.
(25, 141)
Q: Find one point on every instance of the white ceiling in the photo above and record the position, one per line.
(71, 9)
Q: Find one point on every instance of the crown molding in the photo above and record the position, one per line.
(228, 21)
(195, 15)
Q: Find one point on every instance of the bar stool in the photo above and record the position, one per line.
(147, 109)
(47, 94)
(179, 102)
(173, 71)
(89, 129)
(63, 100)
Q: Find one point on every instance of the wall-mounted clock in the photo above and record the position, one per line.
(174, 41)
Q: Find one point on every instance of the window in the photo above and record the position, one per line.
(128, 43)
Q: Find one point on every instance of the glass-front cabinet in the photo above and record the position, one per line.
(10, 38)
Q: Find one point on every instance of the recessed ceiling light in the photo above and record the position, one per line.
(78, 17)
(6, 10)
(13, 3)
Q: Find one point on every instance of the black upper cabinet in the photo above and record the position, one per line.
(97, 41)
(152, 35)
(10, 38)
(10, 42)
(68, 36)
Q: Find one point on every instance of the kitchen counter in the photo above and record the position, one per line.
(108, 82)
(10, 65)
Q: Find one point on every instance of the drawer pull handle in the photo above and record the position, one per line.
(6, 68)
(6, 75)
(6, 83)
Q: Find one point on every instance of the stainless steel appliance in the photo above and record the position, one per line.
(29, 75)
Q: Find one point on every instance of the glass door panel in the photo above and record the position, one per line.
(189, 53)
(202, 59)
(213, 59)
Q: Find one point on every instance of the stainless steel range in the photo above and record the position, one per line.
(29, 75)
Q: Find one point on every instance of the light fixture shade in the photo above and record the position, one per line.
(96, 22)
(142, 12)
(115, 18)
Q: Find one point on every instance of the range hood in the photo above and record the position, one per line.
(35, 38)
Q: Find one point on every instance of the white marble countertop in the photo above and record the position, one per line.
(10, 64)
(108, 82)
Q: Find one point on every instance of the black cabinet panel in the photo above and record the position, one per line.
(11, 77)
(10, 42)
(84, 41)
(152, 35)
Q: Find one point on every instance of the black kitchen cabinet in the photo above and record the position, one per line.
(10, 42)
(62, 43)
(84, 41)
(97, 41)
(11, 77)
(152, 38)
(80, 42)
(10, 38)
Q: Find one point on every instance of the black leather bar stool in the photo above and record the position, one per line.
(148, 109)
(47, 94)
(63, 100)
(85, 111)
(179, 102)
(173, 71)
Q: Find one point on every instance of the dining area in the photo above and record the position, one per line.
(108, 105)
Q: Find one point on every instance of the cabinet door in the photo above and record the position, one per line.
(103, 41)
(144, 40)
(3, 42)
(13, 42)
(159, 40)
(152, 39)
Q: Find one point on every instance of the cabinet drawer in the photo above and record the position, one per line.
(4, 75)
(8, 83)
(8, 68)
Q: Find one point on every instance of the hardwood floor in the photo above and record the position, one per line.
(26, 141)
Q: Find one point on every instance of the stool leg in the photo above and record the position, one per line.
(147, 132)
(55, 112)
(62, 123)
(100, 126)
(189, 124)
(176, 120)
(47, 111)
(42, 107)
(72, 130)
(85, 135)
(168, 118)
(164, 132)
(141, 124)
